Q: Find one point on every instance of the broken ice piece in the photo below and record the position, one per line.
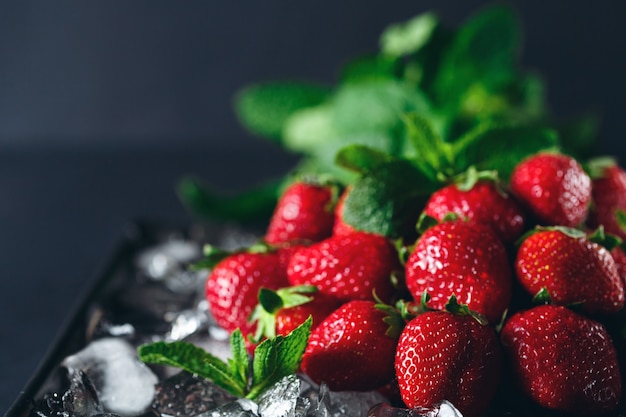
(442, 409)
(124, 384)
(187, 395)
(188, 322)
(168, 262)
(283, 399)
(326, 403)
(81, 399)
(240, 408)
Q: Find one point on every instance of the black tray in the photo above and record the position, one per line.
(72, 336)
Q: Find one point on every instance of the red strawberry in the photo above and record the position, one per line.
(554, 187)
(462, 259)
(303, 212)
(350, 350)
(483, 203)
(444, 356)
(349, 267)
(563, 361)
(232, 287)
(572, 268)
(283, 310)
(609, 196)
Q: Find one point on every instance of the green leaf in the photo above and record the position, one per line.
(580, 135)
(278, 357)
(270, 300)
(249, 207)
(374, 106)
(369, 68)
(485, 48)
(500, 148)
(389, 199)
(192, 359)
(264, 108)
(308, 129)
(360, 158)
(240, 362)
(432, 154)
(408, 37)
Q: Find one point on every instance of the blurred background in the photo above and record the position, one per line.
(105, 105)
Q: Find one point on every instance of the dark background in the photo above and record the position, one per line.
(104, 105)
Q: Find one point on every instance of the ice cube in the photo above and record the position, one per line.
(240, 408)
(188, 322)
(81, 399)
(283, 399)
(187, 395)
(124, 384)
(326, 403)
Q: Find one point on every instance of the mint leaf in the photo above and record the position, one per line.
(307, 129)
(192, 359)
(485, 48)
(240, 362)
(360, 158)
(273, 359)
(408, 37)
(374, 106)
(500, 148)
(278, 357)
(432, 154)
(369, 68)
(264, 108)
(389, 199)
(249, 207)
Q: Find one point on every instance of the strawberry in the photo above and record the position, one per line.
(463, 259)
(609, 197)
(563, 360)
(233, 285)
(350, 349)
(554, 187)
(350, 267)
(482, 203)
(281, 311)
(572, 268)
(444, 356)
(305, 211)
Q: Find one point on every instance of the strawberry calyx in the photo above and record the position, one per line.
(568, 231)
(453, 306)
(270, 302)
(399, 314)
(212, 255)
(596, 167)
(542, 297)
(609, 241)
(465, 181)
(426, 221)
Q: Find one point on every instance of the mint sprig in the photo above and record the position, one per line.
(273, 359)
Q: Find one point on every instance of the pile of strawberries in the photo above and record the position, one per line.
(511, 295)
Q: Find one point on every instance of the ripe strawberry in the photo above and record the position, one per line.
(572, 268)
(281, 311)
(233, 285)
(554, 187)
(483, 203)
(303, 212)
(563, 361)
(609, 196)
(349, 267)
(462, 259)
(444, 356)
(350, 350)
